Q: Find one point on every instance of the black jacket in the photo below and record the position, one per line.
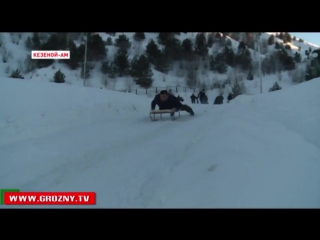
(218, 100)
(172, 102)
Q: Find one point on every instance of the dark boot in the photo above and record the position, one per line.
(187, 109)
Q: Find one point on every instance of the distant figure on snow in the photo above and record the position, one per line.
(230, 97)
(218, 100)
(201, 95)
(167, 101)
(205, 99)
(193, 98)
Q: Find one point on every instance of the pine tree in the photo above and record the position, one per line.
(201, 47)
(173, 49)
(96, 48)
(121, 62)
(271, 40)
(297, 57)
(218, 64)
(141, 71)
(152, 51)
(162, 63)
(59, 77)
(28, 43)
(36, 41)
(109, 41)
(275, 87)
(74, 60)
(123, 42)
(139, 36)
(163, 37)
(187, 49)
(105, 67)
(16, 74)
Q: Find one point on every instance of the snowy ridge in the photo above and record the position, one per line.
(18, 53)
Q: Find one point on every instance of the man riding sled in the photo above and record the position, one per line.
(167, 101)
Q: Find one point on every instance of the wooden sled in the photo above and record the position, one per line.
(153, 113)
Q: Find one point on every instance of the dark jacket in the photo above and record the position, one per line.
(218, 100)
(201, 95)
(180, 99)
(172, 102)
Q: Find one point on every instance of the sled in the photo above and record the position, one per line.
(153, 114)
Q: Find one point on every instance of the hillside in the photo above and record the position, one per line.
(258, 151)
(184, 62)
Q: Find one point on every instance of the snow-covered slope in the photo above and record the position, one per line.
(257, 151)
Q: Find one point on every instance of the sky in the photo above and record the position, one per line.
(312, 37)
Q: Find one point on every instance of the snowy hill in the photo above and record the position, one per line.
(16, 56)
(257, 151)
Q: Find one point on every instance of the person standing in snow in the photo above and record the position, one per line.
(193, 98)
(218, 100)
(201, 95)
(230, 97)
(205, 99)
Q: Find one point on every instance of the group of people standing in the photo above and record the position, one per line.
(203, 98)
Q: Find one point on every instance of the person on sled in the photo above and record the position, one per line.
(180, 98)
(167, 101)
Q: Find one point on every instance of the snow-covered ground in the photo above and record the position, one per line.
(258, 151)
